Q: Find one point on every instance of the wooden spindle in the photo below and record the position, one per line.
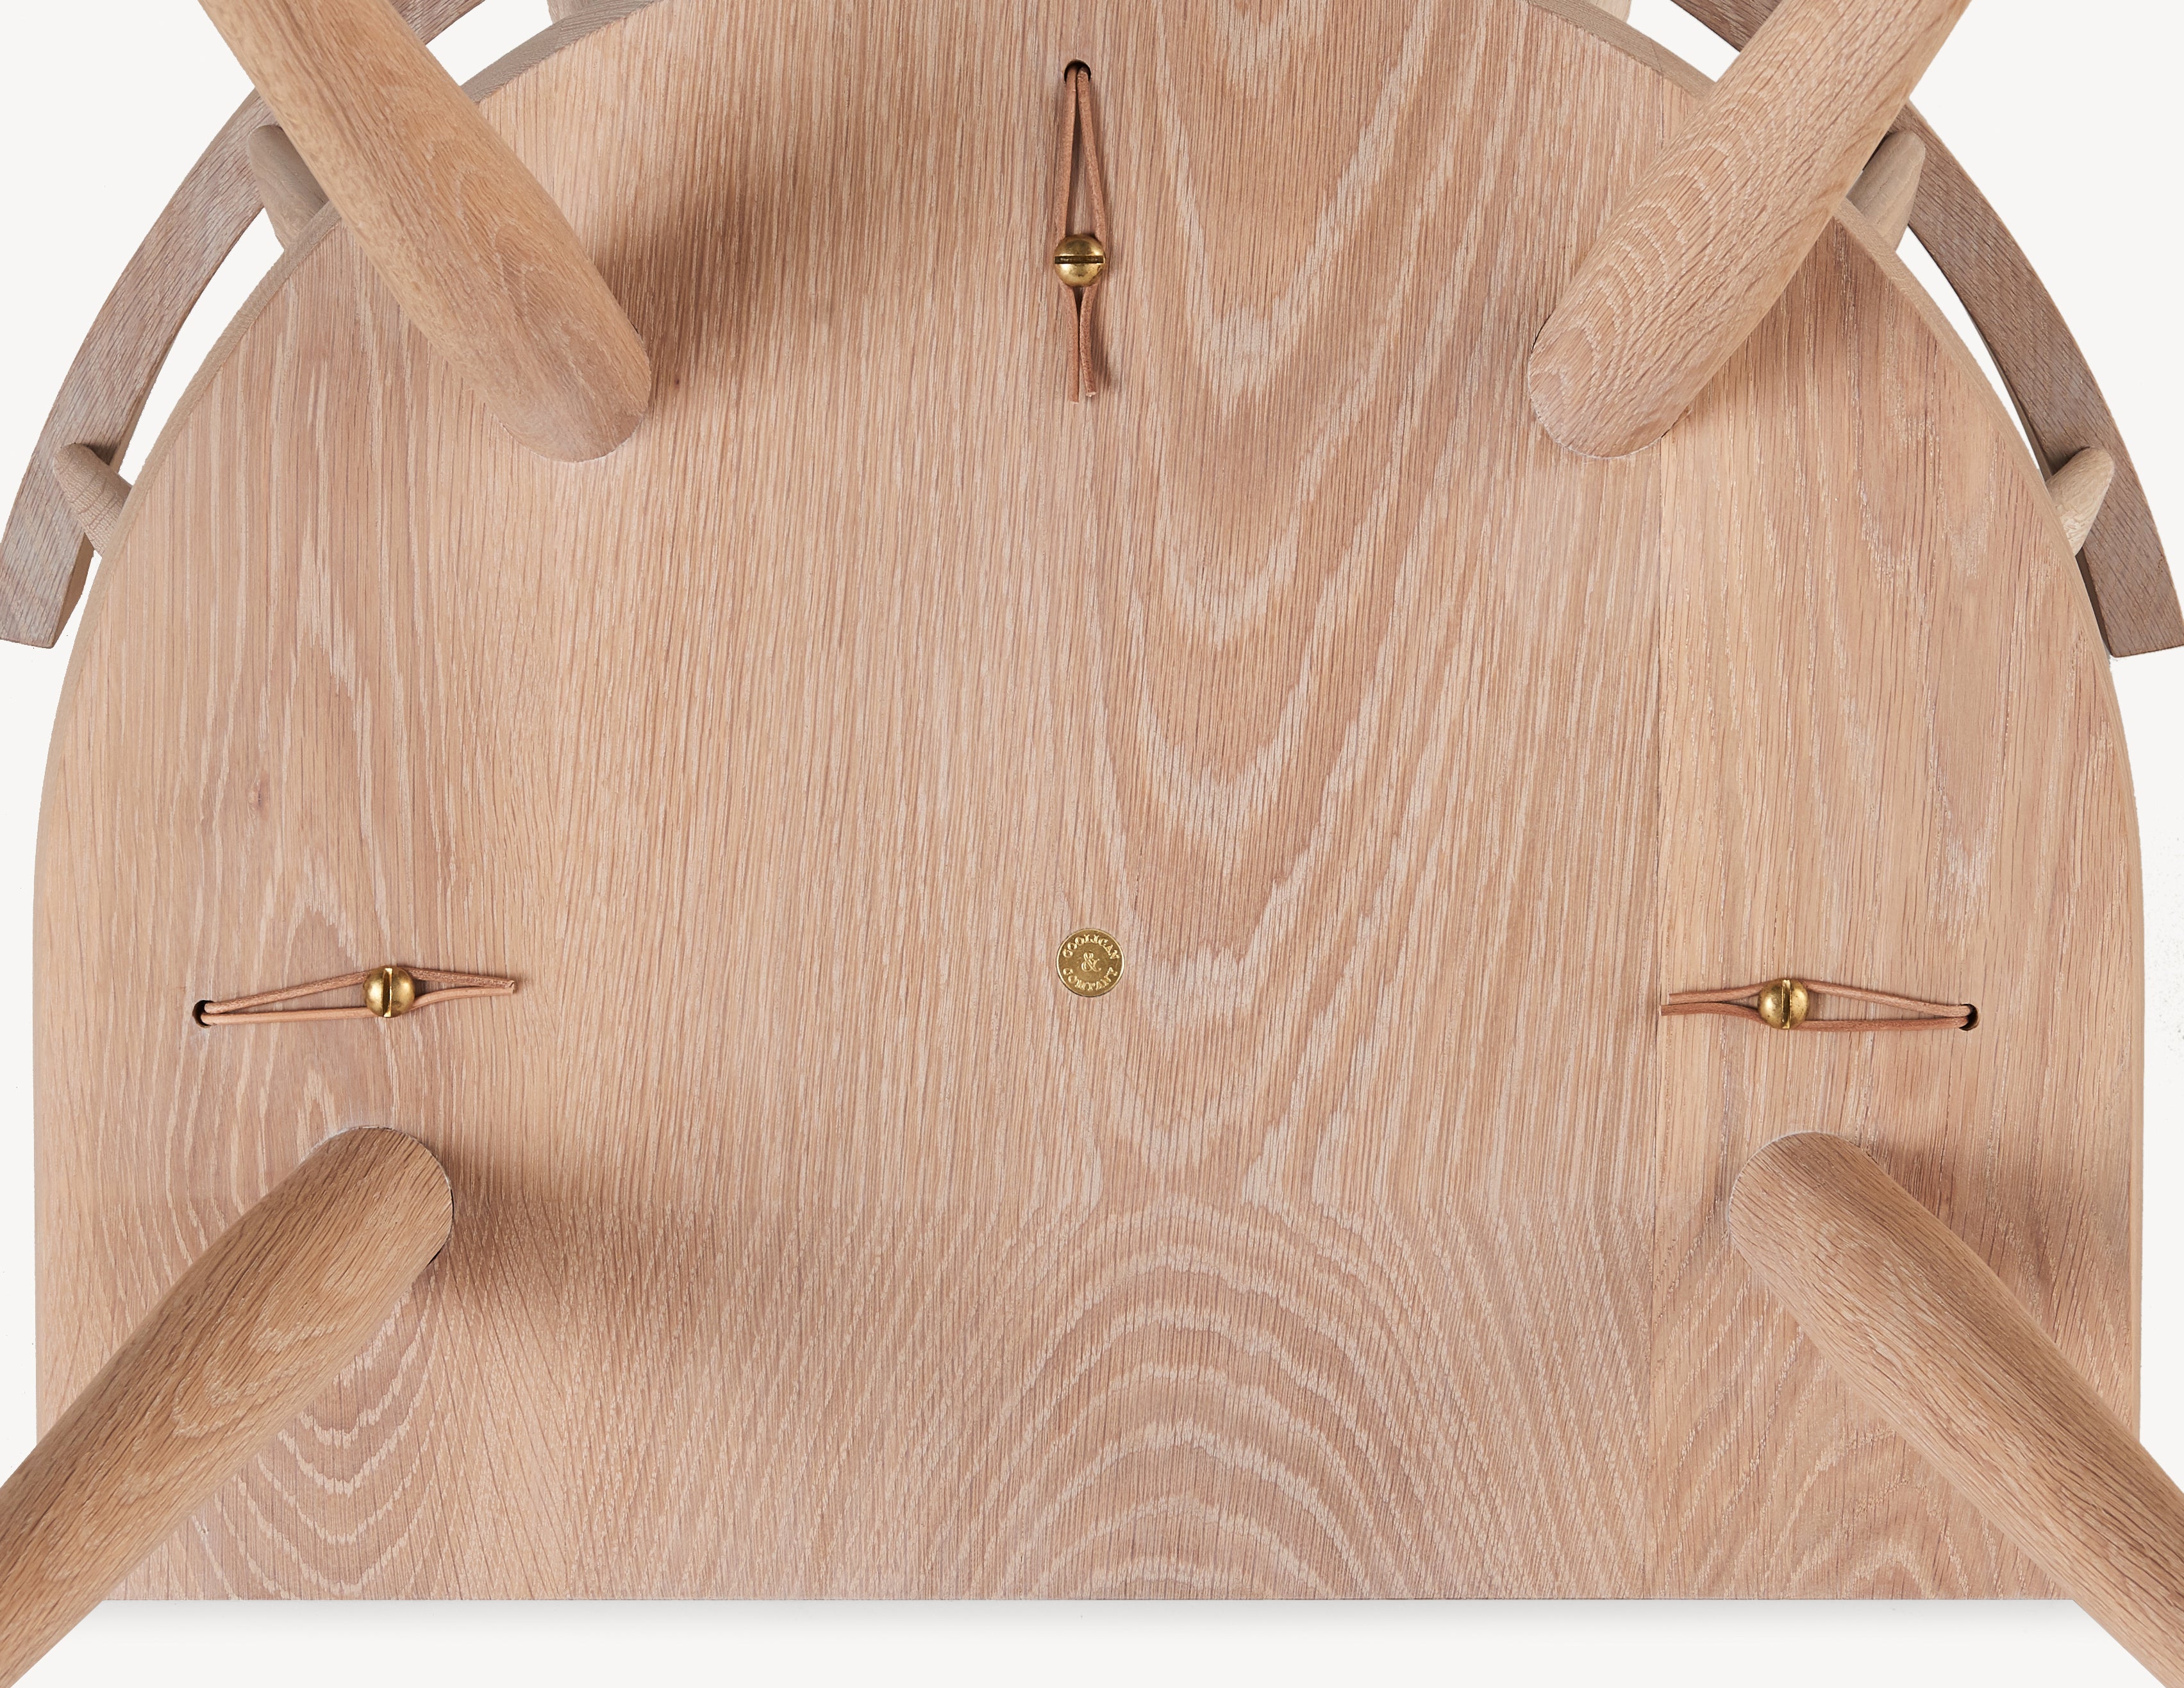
(479, 255)
(93, 493)
(1700, 250)
(1921, 1329)
(292, 194)
(2079, 488)
(1887, 188)
(264, 1320)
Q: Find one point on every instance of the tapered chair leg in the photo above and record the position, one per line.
(1699, 250)
(1920, 1328)
(287, 1297)
(477, 251)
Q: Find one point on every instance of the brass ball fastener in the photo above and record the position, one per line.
(1079, 260)
(1784, 1005)
(391, 993)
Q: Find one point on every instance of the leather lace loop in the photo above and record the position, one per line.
(1077, 127)
(1914, 1014)
(266, 1007)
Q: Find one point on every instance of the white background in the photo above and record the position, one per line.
(2067, 115)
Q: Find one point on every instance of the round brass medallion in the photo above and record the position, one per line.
(1090, 962)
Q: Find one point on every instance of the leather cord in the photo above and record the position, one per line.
(1078, 125)
(1914, 1013)
(263, 1009)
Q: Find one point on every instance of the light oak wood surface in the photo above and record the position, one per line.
(1849, 792)
(1369, 1237)
(1931, 1340)
(2080, 488)
(292, 196)
(1888, 186)
(1700, 250)
(474, 248)
(44, 558)
(95, 493)
(285, 1299)
(2056, 396)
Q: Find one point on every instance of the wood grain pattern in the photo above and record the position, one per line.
(2080, 488)
(836, 1249)
(94, 493)
(467, 238)
(1887, 188)
(1699, 251)
(292, 196)
(44, 558)
(1930, 1340)
(1895, 760)
(2126, 571)
(258, 1325)
(42, 562)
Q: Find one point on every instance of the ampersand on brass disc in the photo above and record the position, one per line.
(1090, 962)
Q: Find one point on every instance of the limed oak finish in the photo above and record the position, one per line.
(95, 495)
(292, 196)
(1702, 247)
(44, 557)
(1888, 186)
(2055, 394)
(1368, 1238)
(1930, 1340)
(262, 1321)
(469, 242)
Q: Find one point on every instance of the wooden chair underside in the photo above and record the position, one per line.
(1368, 1237)
(44, 557)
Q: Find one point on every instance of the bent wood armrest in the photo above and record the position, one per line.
(464, 235)
(1931, 1339)
(44, 556)
(2040, 361)
(287, 1297)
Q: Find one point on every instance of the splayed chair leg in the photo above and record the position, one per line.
(1699, 251)
(478, 253)
(287, 1297)
(1921, 1329)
